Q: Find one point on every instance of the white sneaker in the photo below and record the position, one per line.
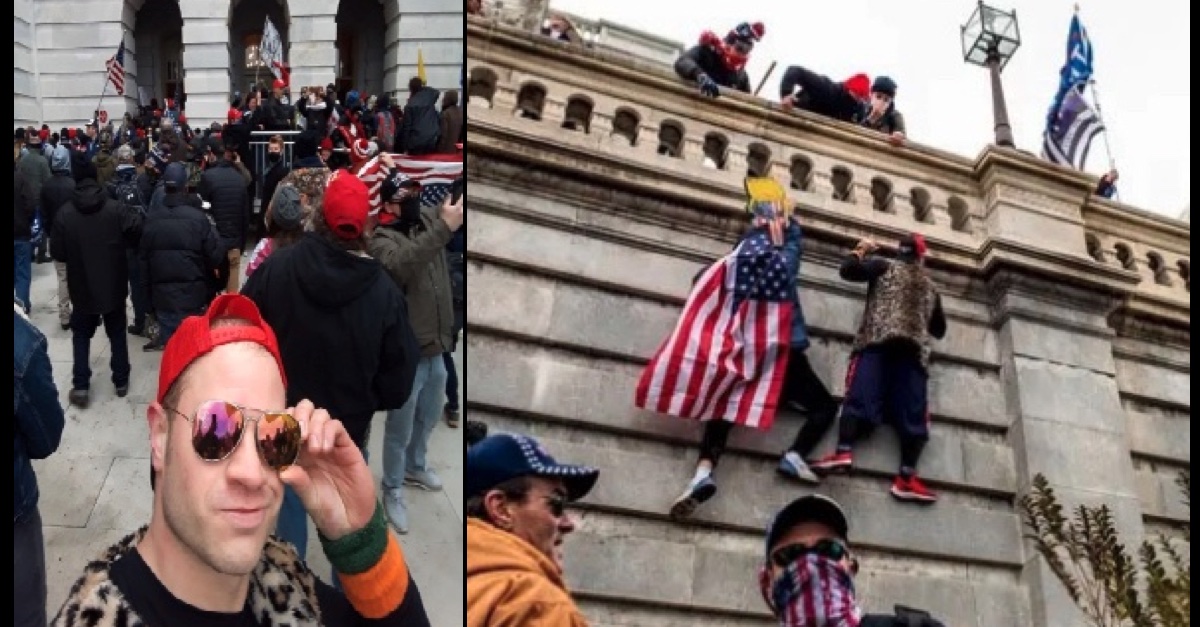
(792, 466)
(424, 479)
(397, 512)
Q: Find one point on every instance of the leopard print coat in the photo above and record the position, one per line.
(899, 306)
(282, 591)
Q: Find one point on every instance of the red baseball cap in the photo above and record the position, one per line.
(346, 205)
(196, 337)
(326, 144)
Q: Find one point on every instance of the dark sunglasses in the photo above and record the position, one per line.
(558, 504)
(831, 549)
(218, 426)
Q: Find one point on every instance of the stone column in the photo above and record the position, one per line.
(1051, 304)
(313, 41)
(206, 60)
(27, 106)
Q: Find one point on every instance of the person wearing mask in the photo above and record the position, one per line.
(224, 443)
(452, 121)
(409, 243)
(91, 235)
(882, 114)
(224, 186)
(808, 571)
(517, 495)
(717, 62)
(177, 255)
(38, 425)
(277, 168)
(845, 101)
(346, 338)
(57, 192)
(889, 361)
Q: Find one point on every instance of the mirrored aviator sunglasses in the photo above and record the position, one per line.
(218, 426)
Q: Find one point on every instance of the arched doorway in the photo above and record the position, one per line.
(360, 47)
(158, 49)
(246, 20)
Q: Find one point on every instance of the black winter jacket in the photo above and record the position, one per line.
(91, 234)
(179, 252)
(58, 191)
(224, 187)
(704, 59)
(24, 206)
(343, 329)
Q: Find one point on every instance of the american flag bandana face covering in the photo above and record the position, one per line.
(814, 591)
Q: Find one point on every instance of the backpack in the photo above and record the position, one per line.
(422, 129)
(126, 192)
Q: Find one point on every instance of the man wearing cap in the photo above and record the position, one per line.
(284, 225)
(223, 444)
(91, 235)
(844, 101)
(807, 577)
(343, 324)
(177, 256)
(889, 360)
(516, 522)
(881, 114)
(410, 243)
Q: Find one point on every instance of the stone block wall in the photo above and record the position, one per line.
(1061, 359)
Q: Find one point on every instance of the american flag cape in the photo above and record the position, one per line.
(727, 356)
(434, 172)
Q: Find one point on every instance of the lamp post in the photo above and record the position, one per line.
(990, 38)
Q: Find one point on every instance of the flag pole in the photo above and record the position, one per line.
(1112, 163)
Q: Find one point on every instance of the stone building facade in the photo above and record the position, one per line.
(1068, 351)
(207, 48)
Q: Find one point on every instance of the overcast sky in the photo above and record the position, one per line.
(1142, 69)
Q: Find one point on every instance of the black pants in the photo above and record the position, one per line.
(83, 329)
(802, 386)
(887, 382)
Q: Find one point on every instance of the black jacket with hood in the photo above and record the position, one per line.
(704, 59)
(179, 252)
(343, 329)
(59, 190)
(91, 234)
(224, 187)
(427, 97)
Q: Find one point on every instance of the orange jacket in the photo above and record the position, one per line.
(511, 584)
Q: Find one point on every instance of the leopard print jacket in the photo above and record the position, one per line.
(899, 306)
(282, 591)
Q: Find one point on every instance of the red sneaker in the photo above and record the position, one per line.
(912, 489)
(835, 462)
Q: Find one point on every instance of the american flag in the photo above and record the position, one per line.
(434, 172)
(116, 70)
(727, 356)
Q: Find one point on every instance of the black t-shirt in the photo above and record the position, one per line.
(157, 607)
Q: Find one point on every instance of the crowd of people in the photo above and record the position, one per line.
(354, 303)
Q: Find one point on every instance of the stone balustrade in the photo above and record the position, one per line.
(599, 186)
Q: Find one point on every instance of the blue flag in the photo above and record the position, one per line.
(1077, 70)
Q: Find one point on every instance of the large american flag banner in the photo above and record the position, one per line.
(727, 356)
(434, 172)
(116, 70)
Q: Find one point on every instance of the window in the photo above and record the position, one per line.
(253, 59)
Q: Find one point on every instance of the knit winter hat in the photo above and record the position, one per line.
(360, 151)
(859, 86)
(884, 85)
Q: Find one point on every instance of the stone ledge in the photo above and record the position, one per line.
(830, 307)
(1169, 388)
(639, 482)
